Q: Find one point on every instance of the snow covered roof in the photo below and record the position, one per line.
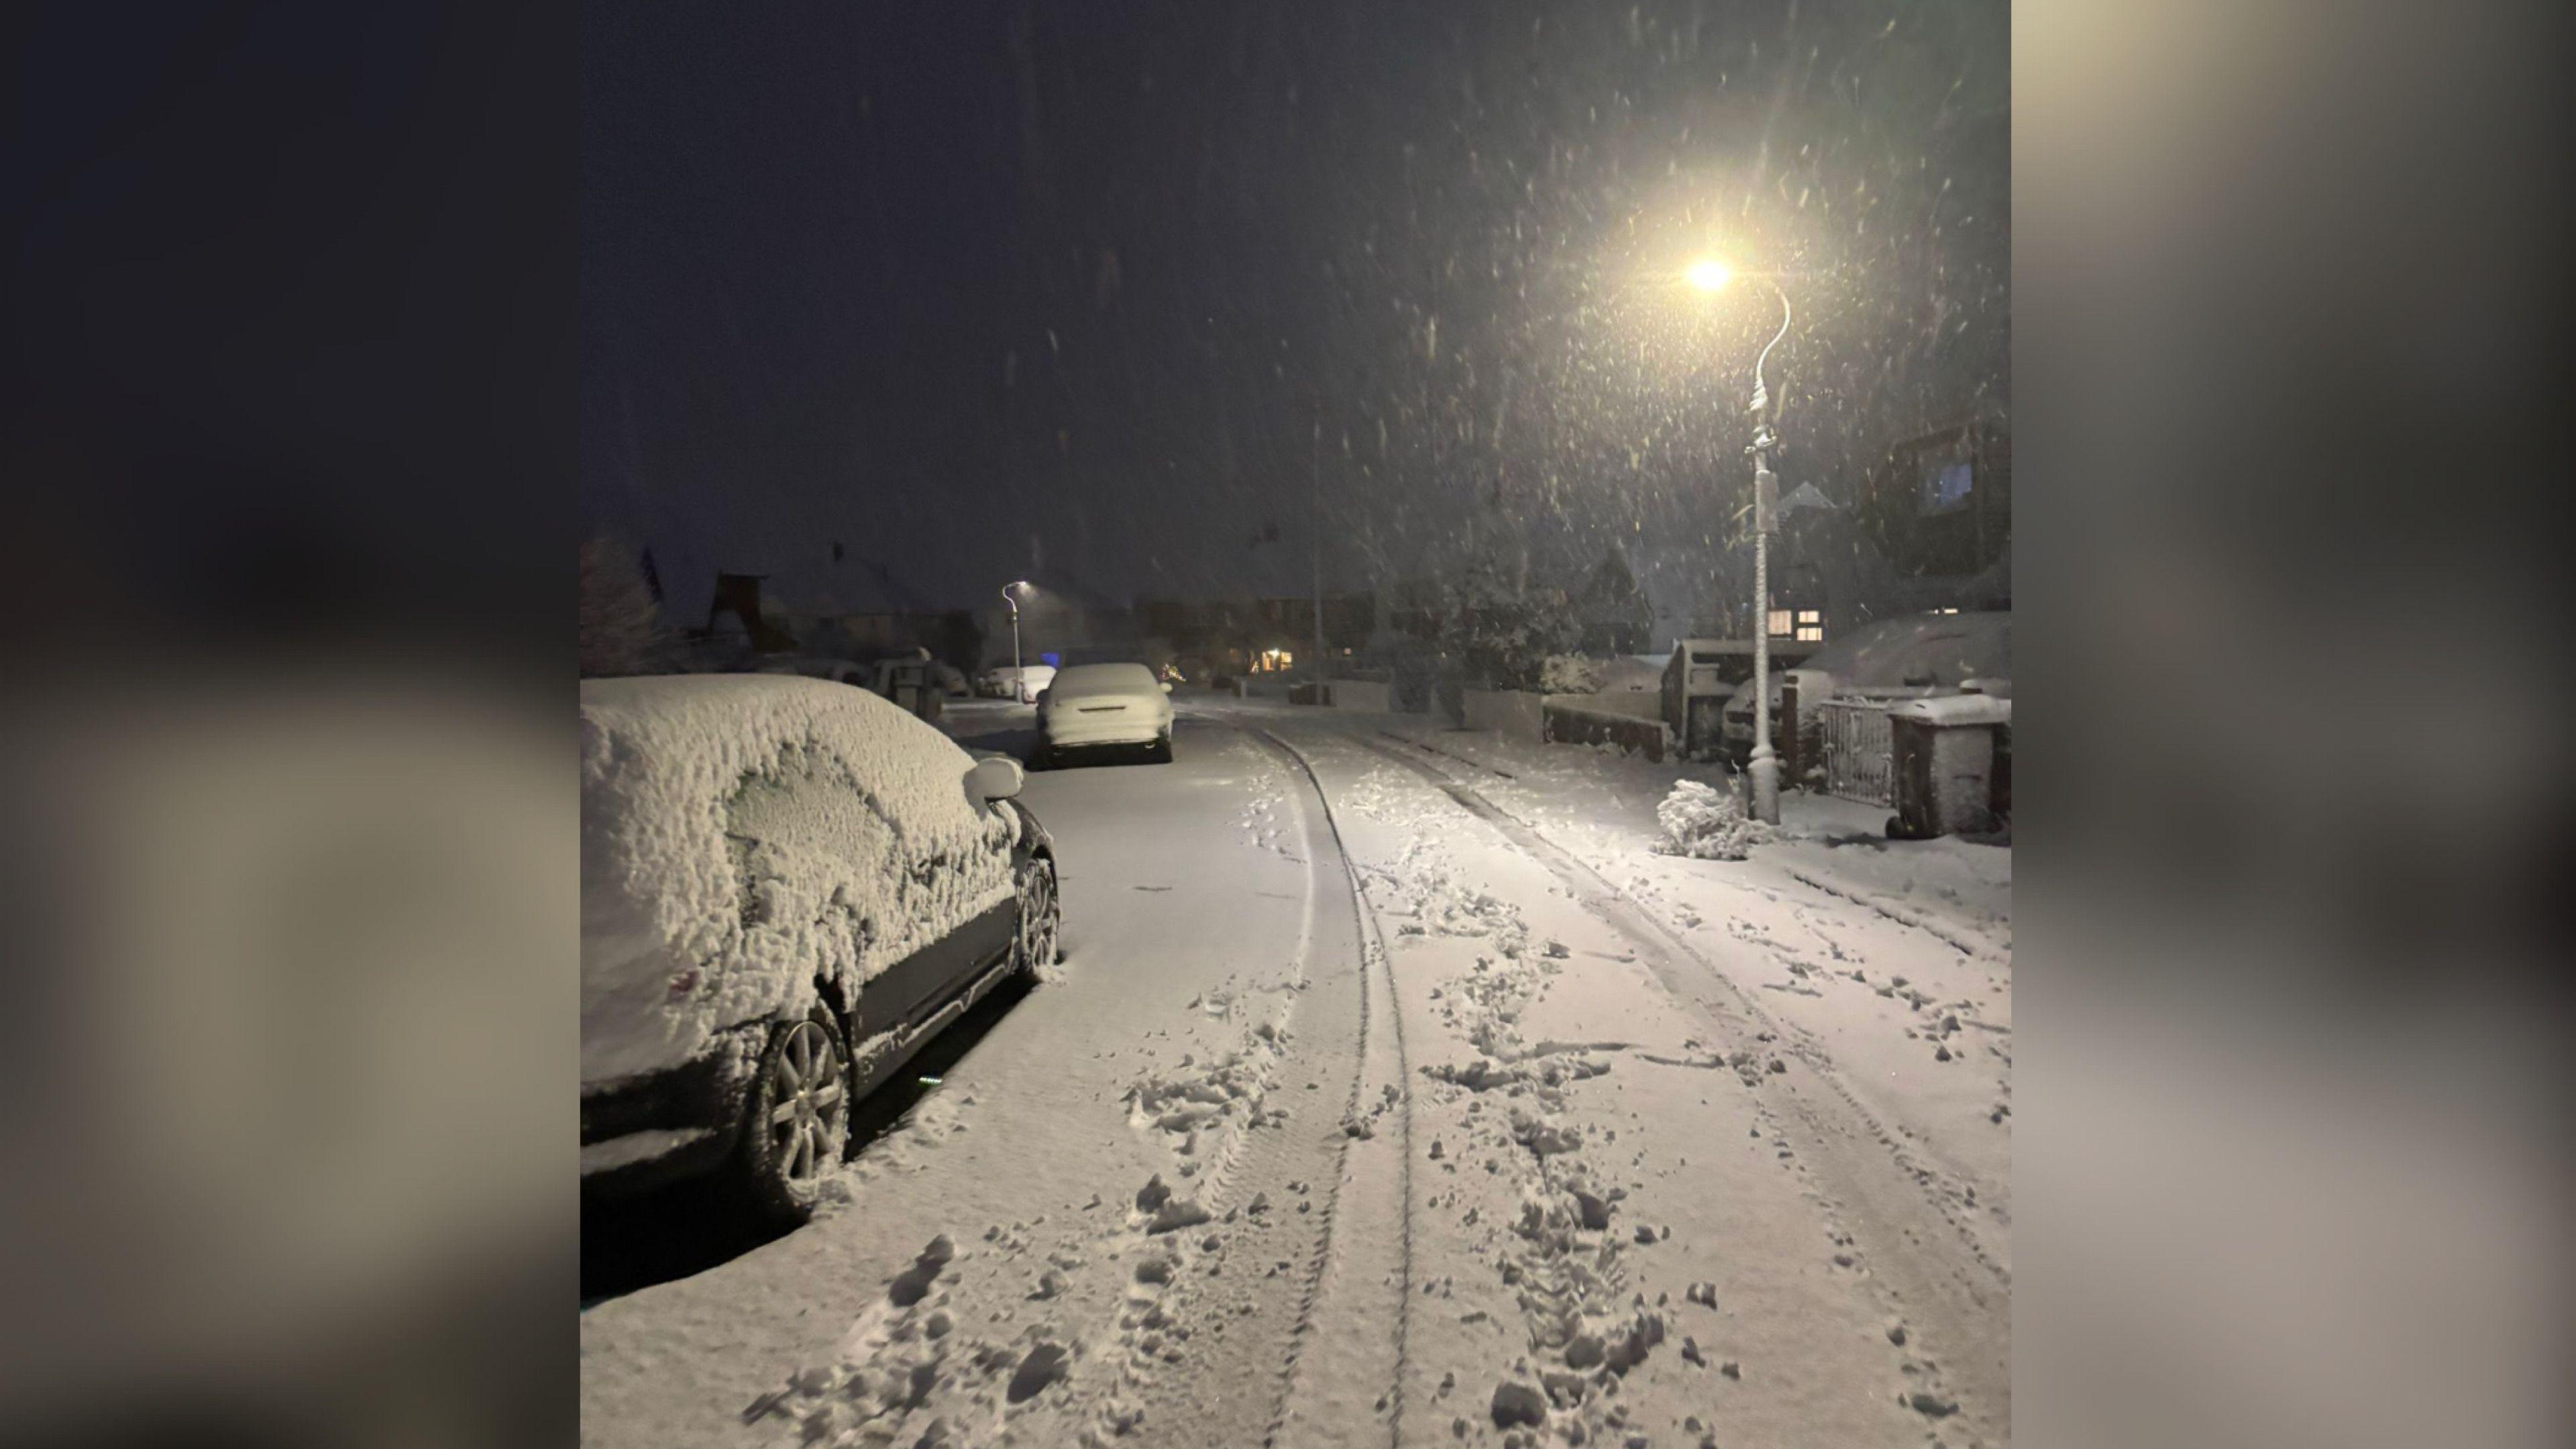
(1956, 709)
(743, 835)
(1946, 648)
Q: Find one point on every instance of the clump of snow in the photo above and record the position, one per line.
(913, 1283)
(1705, 823)
(743, 836)
(1517, 1403)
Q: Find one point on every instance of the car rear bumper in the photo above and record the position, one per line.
(1076, 733)
(640, 1131)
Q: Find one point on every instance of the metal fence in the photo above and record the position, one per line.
(1860, 753)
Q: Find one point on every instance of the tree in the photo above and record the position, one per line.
(1501, 628)
(1614, 612)
(621, 625)
(959, 640)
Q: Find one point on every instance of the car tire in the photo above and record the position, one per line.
(1163, 749)
(1037, 935)
(796, 1126)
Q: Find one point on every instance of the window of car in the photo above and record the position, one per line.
(1091, 679)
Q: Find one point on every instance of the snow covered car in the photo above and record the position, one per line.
(1090, 706)
(787, 887)
(1907, 657)
(1025, 683)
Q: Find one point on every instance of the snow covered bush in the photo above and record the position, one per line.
(1705, 823)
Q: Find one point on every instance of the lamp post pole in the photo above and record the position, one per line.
(1764, 766)
(1019, 680)
(1315, 485)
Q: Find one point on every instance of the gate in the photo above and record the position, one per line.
(1860, 755)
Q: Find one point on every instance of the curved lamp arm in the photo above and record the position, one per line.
(1761, 393)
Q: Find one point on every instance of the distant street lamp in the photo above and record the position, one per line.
(1710, 276)
(1019, 678)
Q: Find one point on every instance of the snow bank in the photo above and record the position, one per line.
(1704, 823)
(745, 835)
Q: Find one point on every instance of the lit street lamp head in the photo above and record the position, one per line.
(1708, 275)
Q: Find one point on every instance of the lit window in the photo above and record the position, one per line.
(1780, 624)
(1811, 626)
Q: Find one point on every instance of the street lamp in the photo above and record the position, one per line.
(1019, 677)
(1710, 276)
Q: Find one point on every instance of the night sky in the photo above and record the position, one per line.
(982, 291)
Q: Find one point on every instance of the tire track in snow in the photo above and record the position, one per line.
(1900, 916)
(1211, 1311)
(1960, 1303)
(1375, 961)
(1325, 1028)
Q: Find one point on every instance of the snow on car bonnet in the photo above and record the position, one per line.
(744, 835)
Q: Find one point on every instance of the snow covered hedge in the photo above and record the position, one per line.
(1705, 823)
(1569, 674)
(742, 835)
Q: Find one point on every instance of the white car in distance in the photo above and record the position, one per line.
(1024, 683)
(1097, 706)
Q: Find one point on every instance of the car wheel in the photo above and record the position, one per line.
(1163, 749)
(799, 1122)
(1041, 917)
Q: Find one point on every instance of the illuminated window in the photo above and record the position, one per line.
(1811, 626)
(1780, 624)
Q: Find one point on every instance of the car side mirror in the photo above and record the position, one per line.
(998, 778)
(1167, 686)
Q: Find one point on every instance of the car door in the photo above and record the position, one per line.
(913, 989)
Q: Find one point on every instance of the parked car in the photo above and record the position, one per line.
(788, 887)
(912, 682)
(1091, 706)
(1907, 657)
(1024, 683)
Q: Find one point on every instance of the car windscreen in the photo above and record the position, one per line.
(1084, 679)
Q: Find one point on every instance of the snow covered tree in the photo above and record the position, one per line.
(1502, 627)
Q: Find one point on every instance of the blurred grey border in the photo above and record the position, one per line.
(2291, 285)
(287, 1020)
(286, 1095)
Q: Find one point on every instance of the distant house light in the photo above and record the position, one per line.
(1811, 626)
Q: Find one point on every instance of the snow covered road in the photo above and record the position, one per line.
(1381, 1101)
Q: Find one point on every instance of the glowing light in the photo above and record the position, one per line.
(1708, 274)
